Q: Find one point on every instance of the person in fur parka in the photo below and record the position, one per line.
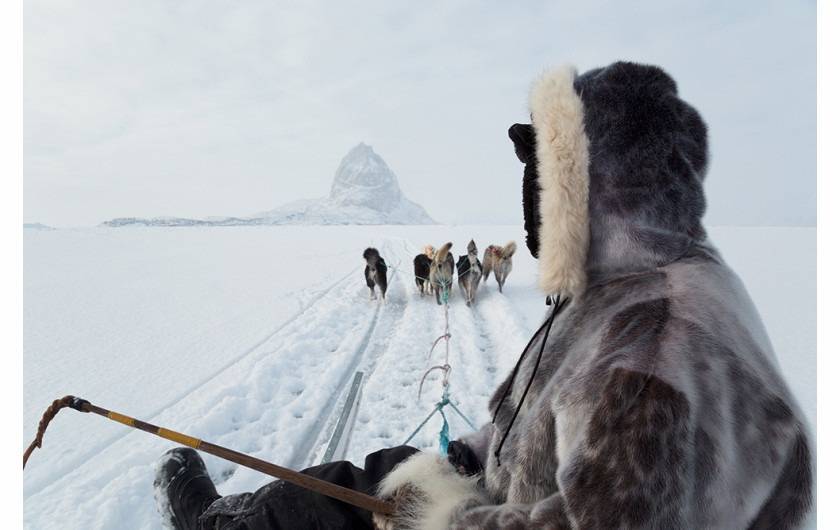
(651, 396)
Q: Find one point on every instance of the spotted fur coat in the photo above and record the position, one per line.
(651, 397)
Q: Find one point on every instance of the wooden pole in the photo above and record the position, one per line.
(323, 487)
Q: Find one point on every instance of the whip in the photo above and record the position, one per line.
(366, 502)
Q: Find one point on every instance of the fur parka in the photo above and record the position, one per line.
(656, 400)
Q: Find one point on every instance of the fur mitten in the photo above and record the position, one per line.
(427, 491)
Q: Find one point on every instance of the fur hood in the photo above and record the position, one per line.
(650, 399)
(615, 183)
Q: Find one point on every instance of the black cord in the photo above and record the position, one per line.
(547, 325)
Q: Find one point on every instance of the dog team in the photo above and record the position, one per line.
(435, 270)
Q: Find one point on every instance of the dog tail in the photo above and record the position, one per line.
(440, 256)
(472, 249)
(371, 256)
(508, 250)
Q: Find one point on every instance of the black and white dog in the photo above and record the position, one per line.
(422, 262)
(376, 273)
(469, 273)
(422, 266)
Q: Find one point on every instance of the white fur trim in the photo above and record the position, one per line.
(563, 173)
(444, 488)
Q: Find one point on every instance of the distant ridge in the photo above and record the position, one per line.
(364, 192)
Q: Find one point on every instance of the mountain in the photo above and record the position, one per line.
(37, 226)
(364, 192)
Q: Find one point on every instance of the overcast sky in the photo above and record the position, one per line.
(204, 108)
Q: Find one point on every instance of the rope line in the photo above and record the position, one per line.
(439, 278)
(445, 287)
(397, 269)
(462, 415)
(445, 400)
(559, 305)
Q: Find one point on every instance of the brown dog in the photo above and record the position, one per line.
(440, 272)
(498, 259)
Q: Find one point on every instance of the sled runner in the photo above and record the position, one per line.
(337, 447)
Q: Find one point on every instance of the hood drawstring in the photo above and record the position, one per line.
(558, 307)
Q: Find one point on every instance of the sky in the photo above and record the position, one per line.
(200, 108)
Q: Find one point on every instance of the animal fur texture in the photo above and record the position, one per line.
(429, 251)
(524, 142)
(651, 398)
(499, 260)
(440, 273)
(422, 262)
(428, 491)
(376, 273)
(562, 149)
(469, 273)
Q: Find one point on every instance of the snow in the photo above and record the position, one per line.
(248, 337)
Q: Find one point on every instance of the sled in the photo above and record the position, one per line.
(337, 448)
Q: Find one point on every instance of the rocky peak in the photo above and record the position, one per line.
(364, 179)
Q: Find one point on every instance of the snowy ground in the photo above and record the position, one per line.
(248, 337)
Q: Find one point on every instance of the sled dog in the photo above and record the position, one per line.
(469, 273)
(421, 274)
(498, 259)
(376, 273)
(440, 272)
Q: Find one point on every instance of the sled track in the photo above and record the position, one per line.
(398, 376)
(374, 336)
(474, 355)
(259, 343)
(303, 454)
(96, 449)
(471, 332)
(364, 358)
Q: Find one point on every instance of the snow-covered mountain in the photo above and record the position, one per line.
(364, 192)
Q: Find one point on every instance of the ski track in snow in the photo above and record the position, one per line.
(94, 450)
(259, 389)
(280, 398)
(364, 357)
(474, 368)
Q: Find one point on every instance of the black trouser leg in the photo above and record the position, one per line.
(280, 505)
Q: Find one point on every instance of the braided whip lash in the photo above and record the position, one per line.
(366, 502)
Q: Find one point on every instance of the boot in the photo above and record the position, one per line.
(183, 489)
